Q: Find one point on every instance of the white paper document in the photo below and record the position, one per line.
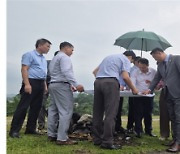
(124, 94)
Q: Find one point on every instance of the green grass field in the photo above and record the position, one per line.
(30, 144)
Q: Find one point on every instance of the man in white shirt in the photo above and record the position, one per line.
(130, 122)
(143, 106)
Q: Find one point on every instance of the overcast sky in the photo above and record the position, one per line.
(91, 26)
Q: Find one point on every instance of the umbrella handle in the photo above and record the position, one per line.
(142, 47)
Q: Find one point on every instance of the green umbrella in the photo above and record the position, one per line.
(142, 40)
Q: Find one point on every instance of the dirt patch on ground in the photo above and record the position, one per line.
(119, 139)
(122, 139)
(82, 151)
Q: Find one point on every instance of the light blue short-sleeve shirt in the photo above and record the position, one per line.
(113, 65)
(122, 82)
(37, 64)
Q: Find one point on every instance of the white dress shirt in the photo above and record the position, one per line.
(139, 78)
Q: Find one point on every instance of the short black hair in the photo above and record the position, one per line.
(144, 61)
(130, 53)
(65, 44)
(155, 50)
(41, 42)
(137, 58)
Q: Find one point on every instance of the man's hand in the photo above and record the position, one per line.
(121, 88)
(73, 88)
(146, 92)
(135, 91)
(80, 88)
(148, 81)
(45, 89)
(28, 88)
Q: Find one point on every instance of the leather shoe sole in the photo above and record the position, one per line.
(68, 142)
(111, 147)
(152, 135)
(174, 149)
(52, 139)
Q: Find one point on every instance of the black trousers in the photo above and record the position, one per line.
(118, 123)
(106, 102)
(130, 123)
(32, 101)
(143, 107)
(43, 113)
(164, 116)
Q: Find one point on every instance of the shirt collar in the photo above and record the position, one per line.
(148, 72)
(37, 53)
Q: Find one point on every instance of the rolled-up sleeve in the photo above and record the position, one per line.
(26, 59)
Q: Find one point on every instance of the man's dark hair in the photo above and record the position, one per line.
(130, 53)
(41, 42)
(65, 44)
(143, 61)
(137, 58)
(156, 50)
(56, 53)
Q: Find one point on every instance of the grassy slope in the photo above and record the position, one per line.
(29, 144)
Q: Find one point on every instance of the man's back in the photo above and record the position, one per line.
(113, 65)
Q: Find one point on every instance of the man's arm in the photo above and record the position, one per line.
(24, 72)
(153, 84)
(45, 87)
(95, 71)
(126, 78)
(67, 70)
(155, 81)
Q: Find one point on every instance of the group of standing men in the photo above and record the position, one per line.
(61, 87)
(106, 93)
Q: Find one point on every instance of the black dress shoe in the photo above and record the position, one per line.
(52, 139)
(174, 148)
(14, 134)
(169, 143)
(151, 134)
(32, 132)
(110, 147)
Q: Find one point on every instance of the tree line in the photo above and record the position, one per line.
(83, 104)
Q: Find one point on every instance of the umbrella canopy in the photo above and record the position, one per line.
(142, 40)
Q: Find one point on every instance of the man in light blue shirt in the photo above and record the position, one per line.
(106, 96)
(37, 64)
(34, 71)
(112, 66)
